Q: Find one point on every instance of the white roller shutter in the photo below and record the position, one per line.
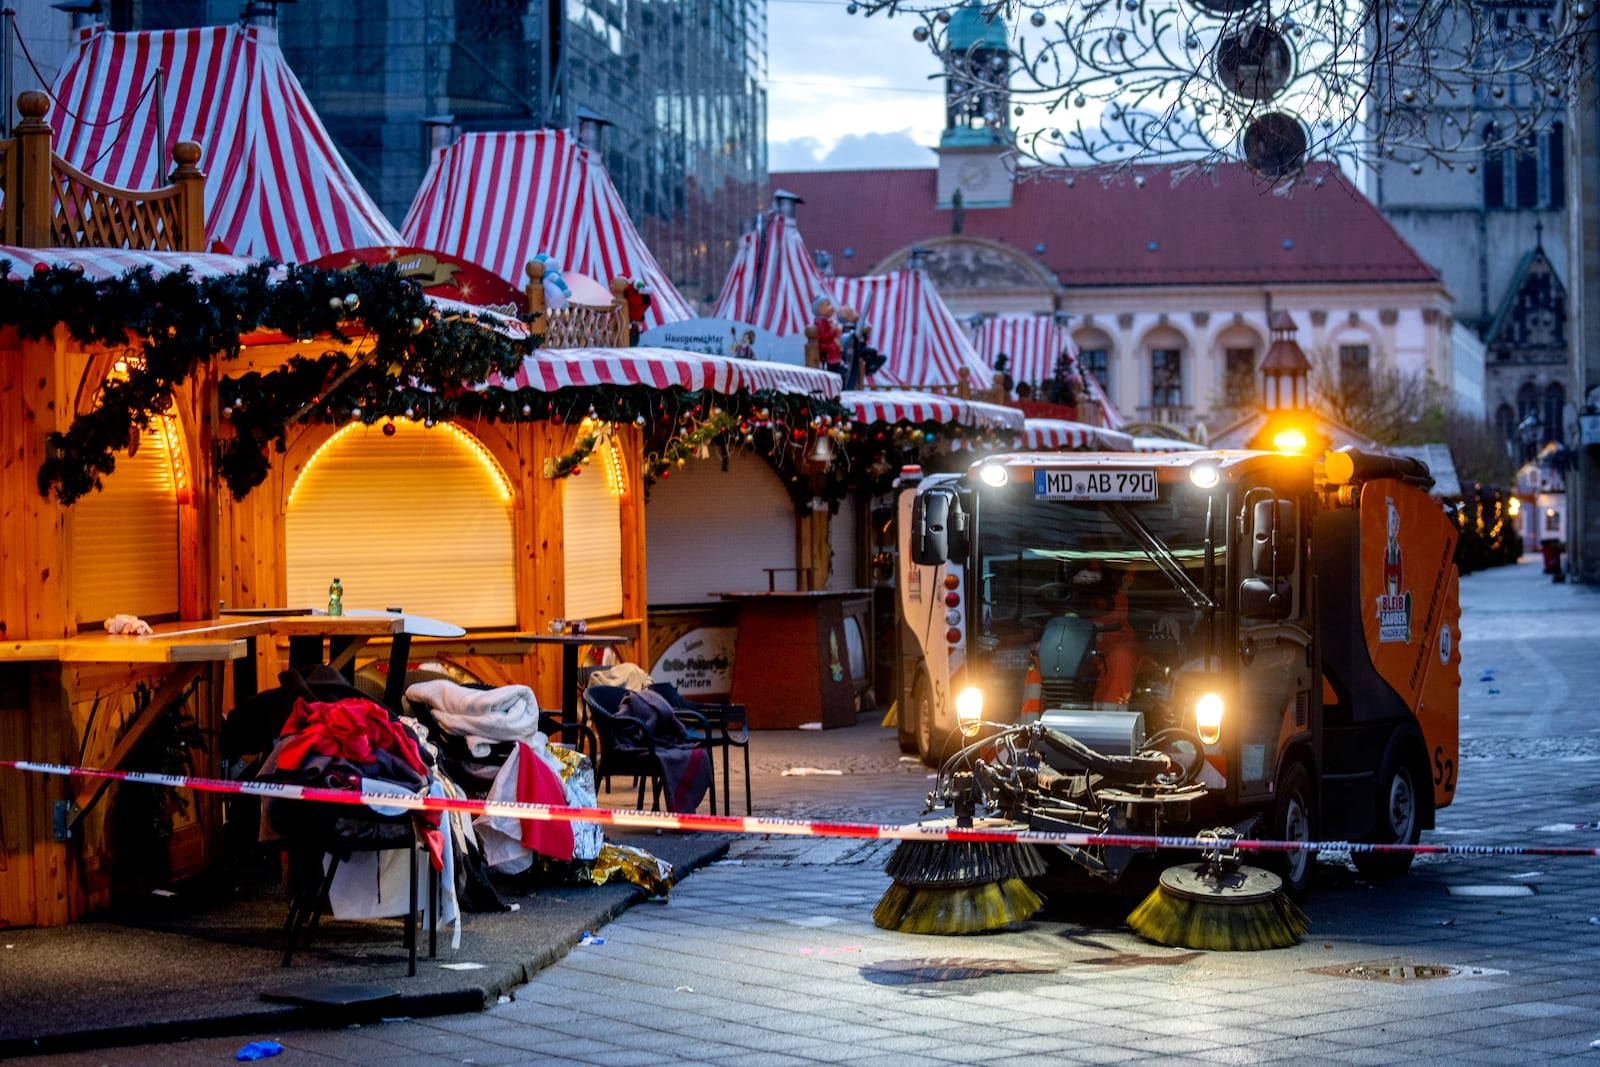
(124, 555)
(711, 531)
(844, 537)
(419, 520)
(592, 518)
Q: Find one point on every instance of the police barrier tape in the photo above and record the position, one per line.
(749, 824)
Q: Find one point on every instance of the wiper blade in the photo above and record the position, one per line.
(1160, 555)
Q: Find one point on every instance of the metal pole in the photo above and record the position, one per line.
(161, 118)
(8, 22)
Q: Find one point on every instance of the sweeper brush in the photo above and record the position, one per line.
(1220, 905)
(958, 887)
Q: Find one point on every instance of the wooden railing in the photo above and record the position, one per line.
(48, 203)
(576, 325)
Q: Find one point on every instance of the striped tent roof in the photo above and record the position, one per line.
(772, 281)
(1048, 435)
(499, 199)
(913, 328)
(1112, 417)
(904, 405)
(100, 263)
(1031, 344)
(663, 368)
(275, 184)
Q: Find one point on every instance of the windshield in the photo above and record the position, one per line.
(1094, 603)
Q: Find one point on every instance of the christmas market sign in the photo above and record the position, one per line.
(727, 337)
(442, 276)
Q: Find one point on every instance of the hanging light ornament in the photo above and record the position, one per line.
(1447, 80)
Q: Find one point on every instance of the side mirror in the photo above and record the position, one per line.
(1272, 531)
(938, 527)
(1262, 598)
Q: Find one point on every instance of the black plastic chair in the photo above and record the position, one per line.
(732, 730)
(629, 749)
(309, 883)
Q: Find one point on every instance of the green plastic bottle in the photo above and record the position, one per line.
(336, 598)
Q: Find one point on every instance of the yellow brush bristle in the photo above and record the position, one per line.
(966, 909)
(1219, 926)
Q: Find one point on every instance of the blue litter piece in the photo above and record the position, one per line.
(259, 1050)
(1494, 692)
(590, 939)
(1487, 677)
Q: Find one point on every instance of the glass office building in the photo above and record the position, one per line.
(681, 81)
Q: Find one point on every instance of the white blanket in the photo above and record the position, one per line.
(481, 717)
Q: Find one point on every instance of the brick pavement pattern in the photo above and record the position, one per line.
(770, 957)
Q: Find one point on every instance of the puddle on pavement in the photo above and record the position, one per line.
(1479, 891)
(945, 969)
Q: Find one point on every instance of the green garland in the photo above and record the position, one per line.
(408, 362)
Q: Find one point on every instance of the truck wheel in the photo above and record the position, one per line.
(1294, 819)
(1398, 821)
(906, 727)
(930, 744)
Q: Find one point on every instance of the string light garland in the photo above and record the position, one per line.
(1105, 84)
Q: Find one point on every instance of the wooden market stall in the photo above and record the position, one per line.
(145, 546)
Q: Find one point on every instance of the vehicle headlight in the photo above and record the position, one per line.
(994, 474)
(969, 709)
(1208, 717)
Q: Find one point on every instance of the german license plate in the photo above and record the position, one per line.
(1137, 484)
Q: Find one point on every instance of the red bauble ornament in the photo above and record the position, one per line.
(41, 268)
(388, 429)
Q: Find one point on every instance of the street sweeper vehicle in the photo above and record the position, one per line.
(1235, 644)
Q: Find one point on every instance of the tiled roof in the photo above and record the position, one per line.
(1228, 228)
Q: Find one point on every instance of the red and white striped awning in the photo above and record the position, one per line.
(550, 369)
(913, 328)
(1030, 343)
(772, 281)
(99, 263)
(275, 184)
(1049, 435)
(905, 405)
(499, 199)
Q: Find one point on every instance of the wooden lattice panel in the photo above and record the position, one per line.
(86, 213)
(578, 326)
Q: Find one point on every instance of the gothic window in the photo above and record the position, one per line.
(1505, 420)
(1528, 431)
(1093, 361)
(1557, 149)
(1239, 381)
(1166, 377)
(1494, 172)
(1355, 370)
(1527, 173)
(1555, 401)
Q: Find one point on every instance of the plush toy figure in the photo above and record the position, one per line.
(638, 300)
(556, 291)
(827, 327)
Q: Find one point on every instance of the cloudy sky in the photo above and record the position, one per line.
(848, 91)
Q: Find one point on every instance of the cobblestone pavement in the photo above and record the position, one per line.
(771, 958)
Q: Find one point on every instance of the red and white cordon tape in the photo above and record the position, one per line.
(748, 824)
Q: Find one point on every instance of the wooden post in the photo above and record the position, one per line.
(189, 178)
(621, 323)
(33, 173)
(964, 383)
(535, 292)
(813, 350)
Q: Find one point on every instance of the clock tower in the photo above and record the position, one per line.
(977, 135)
